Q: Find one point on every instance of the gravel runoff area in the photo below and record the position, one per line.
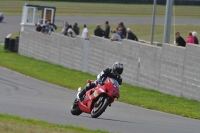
(11, 24)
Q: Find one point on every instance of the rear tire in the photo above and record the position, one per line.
(75, 110)
(105, 103)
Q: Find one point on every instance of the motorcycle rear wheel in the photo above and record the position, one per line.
(101, 109)
(75, 110)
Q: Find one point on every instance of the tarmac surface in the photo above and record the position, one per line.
(30, 98)
(11, 24)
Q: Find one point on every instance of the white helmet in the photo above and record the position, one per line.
(194, 33)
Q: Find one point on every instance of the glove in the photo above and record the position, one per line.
(99, 81)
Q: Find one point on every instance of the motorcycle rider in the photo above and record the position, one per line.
(114, 73)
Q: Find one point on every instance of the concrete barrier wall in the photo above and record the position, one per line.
(168, 69)
(53, 48)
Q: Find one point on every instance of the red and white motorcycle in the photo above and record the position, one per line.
(96, 100)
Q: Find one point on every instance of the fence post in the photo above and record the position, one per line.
(85, 55)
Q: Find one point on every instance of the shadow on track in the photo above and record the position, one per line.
(115, 120)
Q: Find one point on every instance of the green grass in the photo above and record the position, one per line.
(15, 124)
(143, 31)
(11, 7)
(129, 94)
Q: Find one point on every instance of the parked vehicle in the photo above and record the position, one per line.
(96, 100)
(1, 16)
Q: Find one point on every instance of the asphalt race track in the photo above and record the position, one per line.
(31, 98)
(11, 24)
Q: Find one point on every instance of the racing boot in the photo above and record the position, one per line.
(79, 91)
(80, 94)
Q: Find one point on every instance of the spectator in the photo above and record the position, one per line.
(1, 16)
(50, 27)
(76, 29)
(123, 28)
(115, 36)
(190, 38)
(98, 31)
(118, 26)
(44, 29)
(179, 40)
(194, 34)
(64, 28)
(107, 30)
(38, 27)
(85, 31)
(70, 32)
(131, 35)
(120, 33)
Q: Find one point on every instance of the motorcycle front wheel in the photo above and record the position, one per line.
(97, 111)
(75, 110)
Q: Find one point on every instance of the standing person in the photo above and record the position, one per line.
(120, 33)
(85, 31)
(123, 28)
(98, 31)
(179, 40)
(115, 36)
(131, 35)
(190, 38)
(50, 27)
(64, 28)
(107, 30)
(194, 34)
(70, 32)
(38, 27)
(76, 28)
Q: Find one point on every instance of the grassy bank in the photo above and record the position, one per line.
(15, 124)
(143, 31)
(98, 9)
(129, 94)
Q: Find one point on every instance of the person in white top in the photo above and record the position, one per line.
(70, 32)
(85, 32)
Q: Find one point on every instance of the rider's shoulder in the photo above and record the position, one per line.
(107, 70)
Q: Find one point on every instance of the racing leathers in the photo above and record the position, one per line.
(100, 79)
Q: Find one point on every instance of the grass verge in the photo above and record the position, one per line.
(95, 9)
(15, 124)
(143, 31)
(129, 94)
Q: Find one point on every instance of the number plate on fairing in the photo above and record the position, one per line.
(95, 94)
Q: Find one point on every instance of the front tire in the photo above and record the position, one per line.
(101, 109)
(75, 110)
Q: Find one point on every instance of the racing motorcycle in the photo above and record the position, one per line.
(96, 100)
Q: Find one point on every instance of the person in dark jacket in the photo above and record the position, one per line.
(121, 25)
(38, 27)
(131, 36)
(107, 30)
(194, 34)
(115, 73)
(76, 29)
(179, 40)
(98, 31)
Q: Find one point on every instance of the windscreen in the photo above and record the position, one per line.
(114, 82)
